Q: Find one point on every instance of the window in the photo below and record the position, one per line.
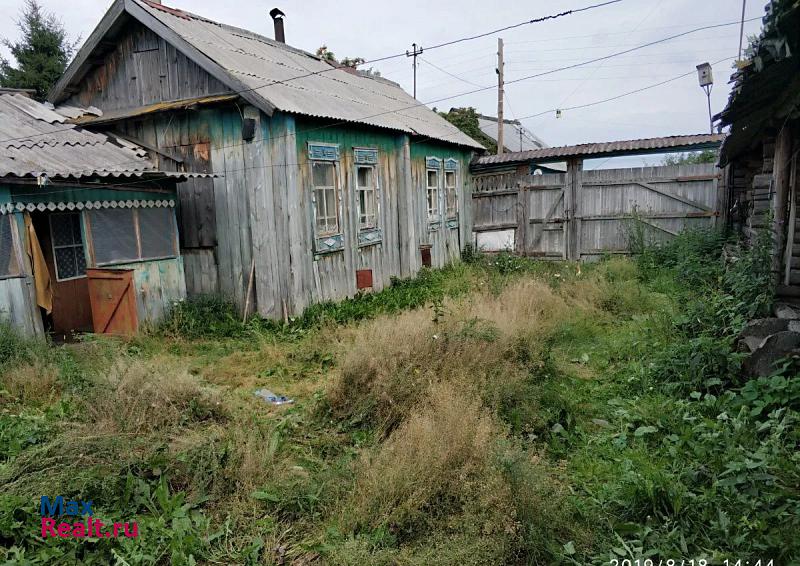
(451, 193)
(326, 198)
(433, 195)
(9, 257)
(121, 235)
(367, 197)
(67, 240)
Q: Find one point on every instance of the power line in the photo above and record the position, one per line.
(617, 97)
(446, 72)
(521, 79)
(533, 21)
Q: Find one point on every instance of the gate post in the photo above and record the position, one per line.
(523, 219)
(572, 207)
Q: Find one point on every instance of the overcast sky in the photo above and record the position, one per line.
(380, 28)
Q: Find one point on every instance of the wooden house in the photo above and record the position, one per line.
(88, 234)
(329, 180)
(760, 155)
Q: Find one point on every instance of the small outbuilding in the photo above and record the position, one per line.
(88, 235)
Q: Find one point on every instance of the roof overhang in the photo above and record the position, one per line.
(671, 144)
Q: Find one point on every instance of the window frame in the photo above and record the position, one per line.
(451, 215)
(53, 246)
(16, 248)
(336, 199)
(375, 198)
(437, 217)
(138, 235)
(328, 154)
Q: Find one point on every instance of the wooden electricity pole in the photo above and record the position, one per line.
(500, 123)
(415, 51)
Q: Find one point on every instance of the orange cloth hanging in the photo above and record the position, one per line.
(41, 275)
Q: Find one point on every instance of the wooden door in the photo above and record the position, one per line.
(542, 217)
(61, 238)
(113, 298)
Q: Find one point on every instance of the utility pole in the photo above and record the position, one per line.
(500, 93)
(413, 53)
(741, 30)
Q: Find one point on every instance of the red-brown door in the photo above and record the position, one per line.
(113, 299)
(64, 251)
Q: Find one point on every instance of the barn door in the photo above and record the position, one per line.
(542, 217)
(113, 299)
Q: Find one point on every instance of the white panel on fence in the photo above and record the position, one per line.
(495, 241)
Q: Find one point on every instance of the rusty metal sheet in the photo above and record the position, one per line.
(112, 296)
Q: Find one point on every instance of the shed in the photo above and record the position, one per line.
(331, 181)
(761, 153)
(88, 235)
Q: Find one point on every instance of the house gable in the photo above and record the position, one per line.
(142, 69)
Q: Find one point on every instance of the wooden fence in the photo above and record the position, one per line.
(585, 214)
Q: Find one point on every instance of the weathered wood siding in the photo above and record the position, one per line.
(332, 275)
(445, 240)
(144, 69)
(159, 286)
(17, 296)
(584, 214)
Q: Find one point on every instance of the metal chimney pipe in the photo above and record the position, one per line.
(277, 18)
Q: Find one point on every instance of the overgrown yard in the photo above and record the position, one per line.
(502, 411)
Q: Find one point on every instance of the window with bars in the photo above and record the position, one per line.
(9, 254)
(121, 235)
(451, 194)
(326, 198)
(367, 197)
(68, 251)
(433, 195)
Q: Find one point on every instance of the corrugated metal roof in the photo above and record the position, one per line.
(35, 141)
(512, 141)
(337, 94)
(589, 150)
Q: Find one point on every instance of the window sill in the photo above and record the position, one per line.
(111, 264)
(434, 225)
(328, 244)
(369, 237)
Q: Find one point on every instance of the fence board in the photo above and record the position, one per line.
(583, 214)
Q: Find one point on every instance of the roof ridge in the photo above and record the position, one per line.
(242, 32)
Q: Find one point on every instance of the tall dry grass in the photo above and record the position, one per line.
(434, 464)
(485, 342)
(144, 396)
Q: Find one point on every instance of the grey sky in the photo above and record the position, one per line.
(376, 29)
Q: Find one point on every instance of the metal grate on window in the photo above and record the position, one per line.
(9, 259)
(67, 240)
(114, 235)
(157, 232)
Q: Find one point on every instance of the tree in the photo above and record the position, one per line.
(41, 54)
(692, 157)
(466, 120)
(352, 62)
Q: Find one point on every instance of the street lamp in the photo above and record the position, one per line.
(706, 80)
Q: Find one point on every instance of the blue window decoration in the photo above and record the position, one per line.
(451, 164)
(433, 162)
(323, 152)
(365, 156)
(329, 244)
(369, 237)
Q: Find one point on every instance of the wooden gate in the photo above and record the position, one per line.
(585, 214)
(113, 299)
